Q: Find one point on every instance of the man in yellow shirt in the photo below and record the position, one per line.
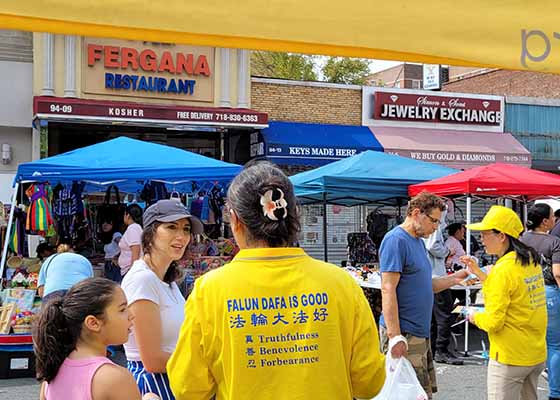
(275, 323)
(515, 314)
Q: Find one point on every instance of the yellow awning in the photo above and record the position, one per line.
(514, 34)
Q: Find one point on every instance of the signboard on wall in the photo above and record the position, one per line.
(432, 110)
(462, 157)
(432, 76)
(396, 106)
(89, 110)
(117, 68)
(318, 152)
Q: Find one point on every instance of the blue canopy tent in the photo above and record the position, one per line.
(368, 177)
(125, 162)
(124, 159)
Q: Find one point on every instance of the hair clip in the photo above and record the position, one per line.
(270, 206)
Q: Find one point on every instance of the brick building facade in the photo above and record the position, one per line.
(508, 83)
(310, 102)
(532, 112)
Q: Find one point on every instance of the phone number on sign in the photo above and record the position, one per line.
(237, 117)
(516, 159)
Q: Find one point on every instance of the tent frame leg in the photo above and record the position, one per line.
(325, 245)
(8, 230)
(468, 292)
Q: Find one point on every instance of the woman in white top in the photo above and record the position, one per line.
(130, 243)
(154, 299)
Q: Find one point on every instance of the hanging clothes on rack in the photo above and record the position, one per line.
(39, 216)
(17, 236)
(361, 249)
(154, 191)
(200, 207)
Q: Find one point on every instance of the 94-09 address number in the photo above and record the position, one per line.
(57, 108)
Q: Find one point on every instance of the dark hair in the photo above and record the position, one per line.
(244, 197)
(537, 214)
(42, 247)
(525, 255)
(557, 213)
(135, 212)
(107, 237)
(148, 234)
(453, 228)
(425, 202)
(60, 321)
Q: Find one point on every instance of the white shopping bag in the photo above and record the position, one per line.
(401, 382)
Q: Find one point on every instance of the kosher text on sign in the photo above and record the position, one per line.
(66, 107)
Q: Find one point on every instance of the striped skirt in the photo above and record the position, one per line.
(157, 383)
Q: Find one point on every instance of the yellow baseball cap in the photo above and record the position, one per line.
(502, 219)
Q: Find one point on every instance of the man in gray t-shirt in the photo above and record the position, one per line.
(549, 246)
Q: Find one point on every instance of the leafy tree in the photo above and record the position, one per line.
(283, 65)
(350, 71)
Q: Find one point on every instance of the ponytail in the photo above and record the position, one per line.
(525, 255)
(59, 325)
(52, 340)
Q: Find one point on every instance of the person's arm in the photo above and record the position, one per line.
(148, 334)
(556, 273)
(42, 395)
(441, 283)
(472, 267)
(188, 369)
(556, 260)
(42, 279)
(367, 365)
(135, 250)
(390, 305)
(112, 382)
(391, 264)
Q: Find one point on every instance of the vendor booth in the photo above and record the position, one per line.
(369, 177)
(492, 181)
(65, 195)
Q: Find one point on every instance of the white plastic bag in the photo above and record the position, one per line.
(401, 382)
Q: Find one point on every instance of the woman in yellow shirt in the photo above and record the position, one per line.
(274, 323)
(515, 307)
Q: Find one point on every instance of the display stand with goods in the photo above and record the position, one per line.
(67, 198)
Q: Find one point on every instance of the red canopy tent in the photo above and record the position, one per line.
(493, 180)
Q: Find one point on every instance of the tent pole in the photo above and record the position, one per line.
(525, 211)
(469, 217)
(325, 245)
(467, 291)
(8, 230)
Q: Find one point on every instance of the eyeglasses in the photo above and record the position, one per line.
(433, 220)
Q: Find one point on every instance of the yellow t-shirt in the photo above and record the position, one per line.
(515, 314)
(277, 324)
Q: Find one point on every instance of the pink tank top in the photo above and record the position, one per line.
(73, 381)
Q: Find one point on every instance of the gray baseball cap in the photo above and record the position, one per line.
(171, 211)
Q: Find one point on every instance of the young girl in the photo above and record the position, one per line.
(71, 339)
